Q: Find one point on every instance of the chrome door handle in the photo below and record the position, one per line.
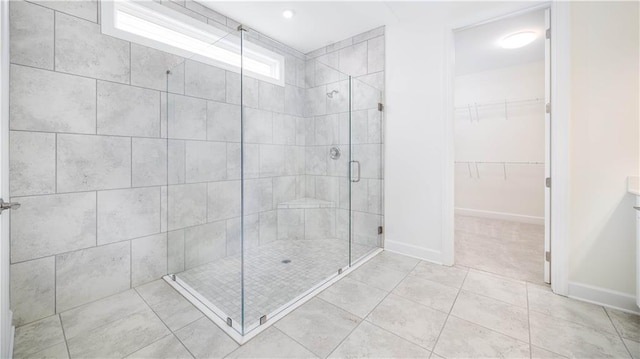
(637, 208)
(8, 205)
(356, 179)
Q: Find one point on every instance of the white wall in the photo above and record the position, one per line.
(604, 143)
(491, 135)
(416, 85)
(604, 133)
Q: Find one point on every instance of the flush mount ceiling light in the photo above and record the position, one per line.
(287, 14)
(518, 39)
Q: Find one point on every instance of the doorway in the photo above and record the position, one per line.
(502, 147)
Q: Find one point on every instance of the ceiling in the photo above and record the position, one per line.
(477, 48)
(315, 24)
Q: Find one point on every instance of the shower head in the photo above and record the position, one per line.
(330, 94)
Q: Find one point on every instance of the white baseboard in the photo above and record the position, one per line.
(410, 250)
(605, 297)
(500, 215)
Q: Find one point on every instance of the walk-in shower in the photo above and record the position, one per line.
(274, 179)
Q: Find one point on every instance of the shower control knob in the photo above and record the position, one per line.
(334, 152)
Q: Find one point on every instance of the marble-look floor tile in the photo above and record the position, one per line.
(37, 336)
(574, 340)
(95, 314)
(628, 324)
(507, 248)
(451, 276)
(353, 296)
(426, 292)
(462, 339)
(539, 353)
(379, 276)
(318, 325)
(409, 320)
(543, 300)
(119, 338)
(172, 308)
(204, 339)
(633, 347)
(493, 314)
(395, 261)
(369, 341)
(58, 351)
(167, 347)
(504, 289)
(272, 343)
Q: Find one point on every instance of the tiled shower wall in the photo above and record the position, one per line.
(92, 131)
(327, 120)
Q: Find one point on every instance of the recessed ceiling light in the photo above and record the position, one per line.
(287, 14)
(518, 39)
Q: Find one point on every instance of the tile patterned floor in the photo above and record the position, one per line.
(391, 307)
(268, 282)
(511, 249)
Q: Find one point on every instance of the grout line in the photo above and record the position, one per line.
(374, 308)
(449, 314)
(64, 335)
(618, 332)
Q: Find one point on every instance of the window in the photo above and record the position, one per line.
(157, 26)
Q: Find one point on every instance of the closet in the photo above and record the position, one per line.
(500, 148)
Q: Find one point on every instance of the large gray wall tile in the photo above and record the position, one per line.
(31, 35)
(81, 49)
(47, 101)
(258, 195)
(149, 69)
(376, 54)
(127, 110)
(149, 162)
(128, 213)
(86, 9)
(187, 205)
(47, 225)
(32, 163)
(176, 165)
(93, 273)
(33, 290)
(204, 81)
(353, 59)
(148, 258)
(205, 161)
(175, 251)
(93, 162)
(223, 122)
(187, 118)
(205, 243)
(257, 126)
(270, 97)
(224, 200)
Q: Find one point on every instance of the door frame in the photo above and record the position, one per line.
(7, 330)
(559, 216)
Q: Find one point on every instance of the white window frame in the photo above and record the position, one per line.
(187, 37)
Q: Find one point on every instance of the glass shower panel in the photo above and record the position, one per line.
(295, 171)
(367, 181)
(203, 195)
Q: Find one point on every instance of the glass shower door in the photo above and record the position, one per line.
(202, 196)
(295, 175)
(367, 182)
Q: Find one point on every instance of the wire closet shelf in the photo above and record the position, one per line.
(503, 163)
(473, 108)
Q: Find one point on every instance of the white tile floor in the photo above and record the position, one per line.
(392, 307)
(511, 249)
(268, 282)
